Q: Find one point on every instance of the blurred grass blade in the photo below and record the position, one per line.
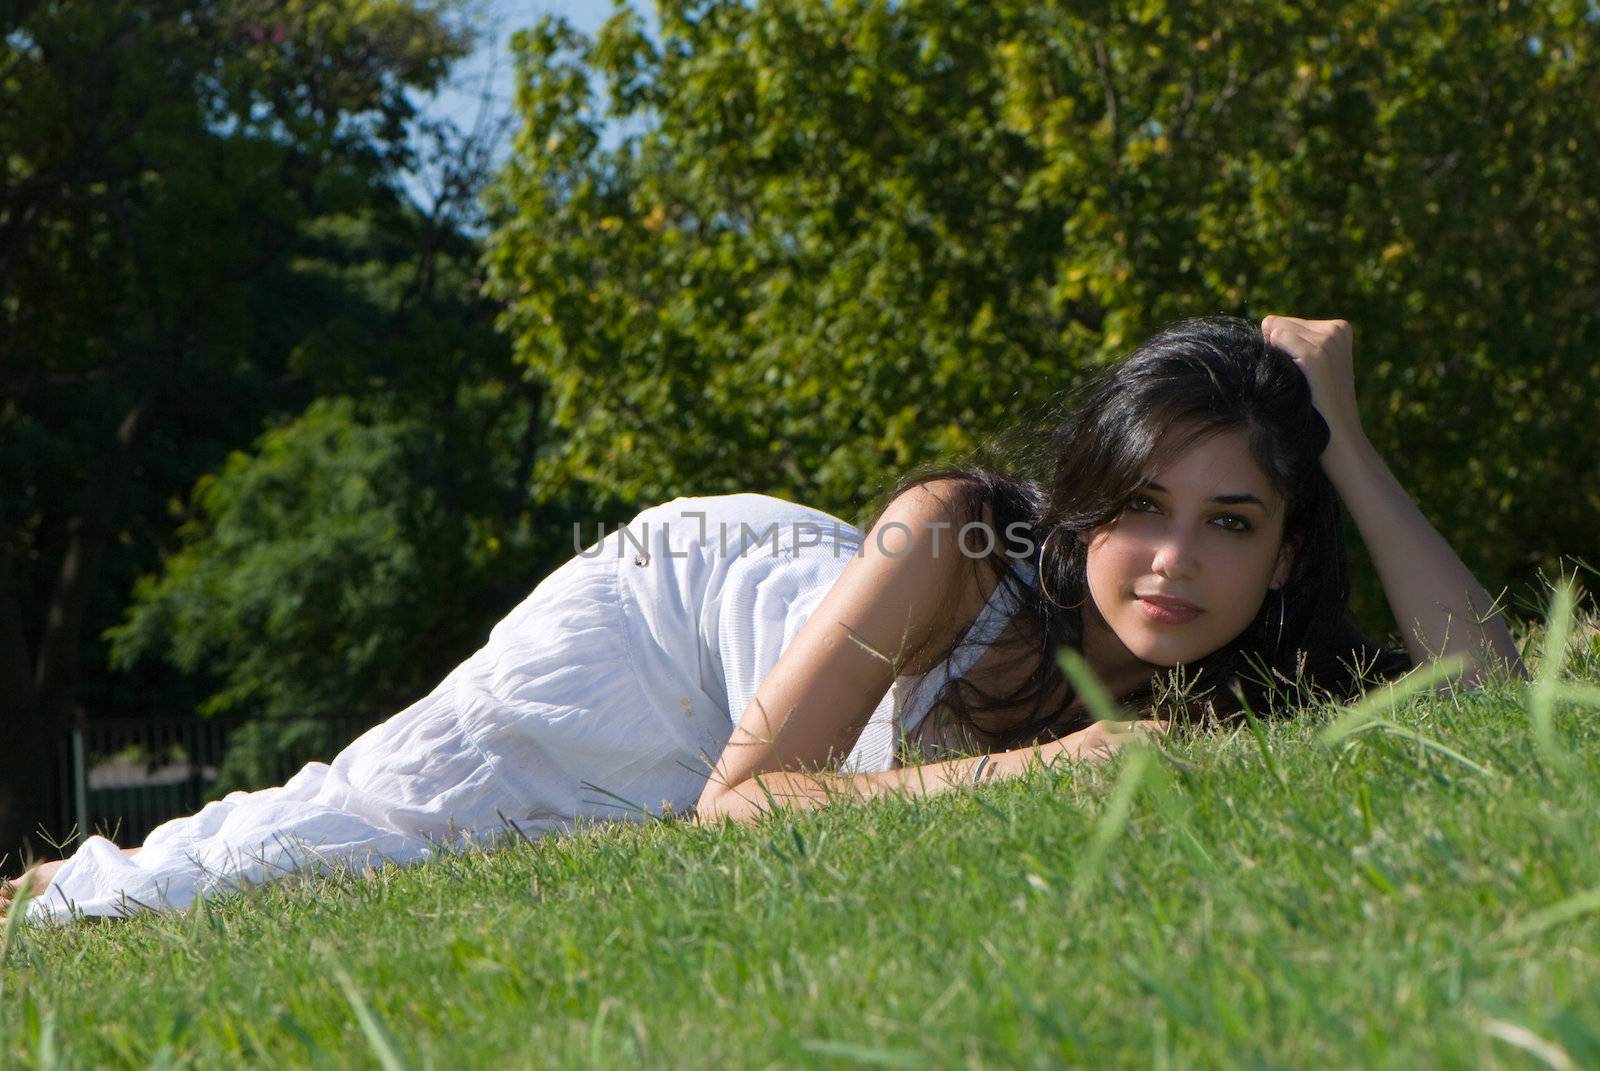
(383, 1046)
(15, 917)
(1557, 630)
(1114, 820)
(47, 1056)
(1547, 685)
(1390, 728)
(1382, 701)
(865, 1055)
(1587, 695)
(1176, 811)
(1434, 745)
(1572, 907)
(1260, 734)
(1088, 686)
(1521, 1037)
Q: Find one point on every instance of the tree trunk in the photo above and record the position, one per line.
(37, 716)
(25, 777)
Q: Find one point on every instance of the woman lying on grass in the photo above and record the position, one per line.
(1188, 518)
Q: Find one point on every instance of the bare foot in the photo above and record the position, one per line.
(38, 877)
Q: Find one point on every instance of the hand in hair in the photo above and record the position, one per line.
(1324, 350)
(1440, 607)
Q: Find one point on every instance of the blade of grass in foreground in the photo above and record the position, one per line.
(1432, 745)
(1392, 728)
(1259, 733)
(1587, 695)
(14, 919)
(1572, 907)
(1105, 708)
(1383, 700)
(1546, 683)
(865, 1055)
(1115, 819)
(383, 1046)
(1134, 771)
(1521, 1037)
(1095, 696)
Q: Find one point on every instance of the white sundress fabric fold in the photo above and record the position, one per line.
(606, 694)
(392, 795)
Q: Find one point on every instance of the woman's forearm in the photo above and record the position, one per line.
(1440, 608)
(802, 791)
(793, 788)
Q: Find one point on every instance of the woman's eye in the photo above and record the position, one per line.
(1228, 522)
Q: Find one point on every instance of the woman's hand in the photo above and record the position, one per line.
(1096, 743)
(1440, 608)
(1324, 350)
(1105, 738)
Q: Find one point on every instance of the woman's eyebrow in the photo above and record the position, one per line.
(1226, 500)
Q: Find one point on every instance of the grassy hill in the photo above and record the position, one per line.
(1423, 891)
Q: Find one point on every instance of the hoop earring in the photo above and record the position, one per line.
(1043, 590)
(1277, 647)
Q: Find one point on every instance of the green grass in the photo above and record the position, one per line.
(1418, 887)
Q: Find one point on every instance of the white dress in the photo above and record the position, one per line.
(609, 692)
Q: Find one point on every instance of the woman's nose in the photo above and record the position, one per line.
(1173, 554)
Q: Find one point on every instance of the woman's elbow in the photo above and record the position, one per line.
(717, 806)
(705, 812)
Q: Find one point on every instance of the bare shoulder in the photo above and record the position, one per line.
(925, 522)
(893, 610)
(935, 501)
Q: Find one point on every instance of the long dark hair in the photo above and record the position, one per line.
(1204, 376)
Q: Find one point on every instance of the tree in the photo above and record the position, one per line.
(161, 160)
(333, 571)
(856, 236)
(340, 568)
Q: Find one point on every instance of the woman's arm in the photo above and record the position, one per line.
(803, 790)
(892, 610)
(1440, 608)
(888, 606)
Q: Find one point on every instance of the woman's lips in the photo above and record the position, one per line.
(1167, 611)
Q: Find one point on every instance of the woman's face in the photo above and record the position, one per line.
(1207, 532)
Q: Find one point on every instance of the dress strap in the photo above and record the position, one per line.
(919, 691)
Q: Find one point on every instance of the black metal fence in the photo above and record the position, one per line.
(123, 778)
